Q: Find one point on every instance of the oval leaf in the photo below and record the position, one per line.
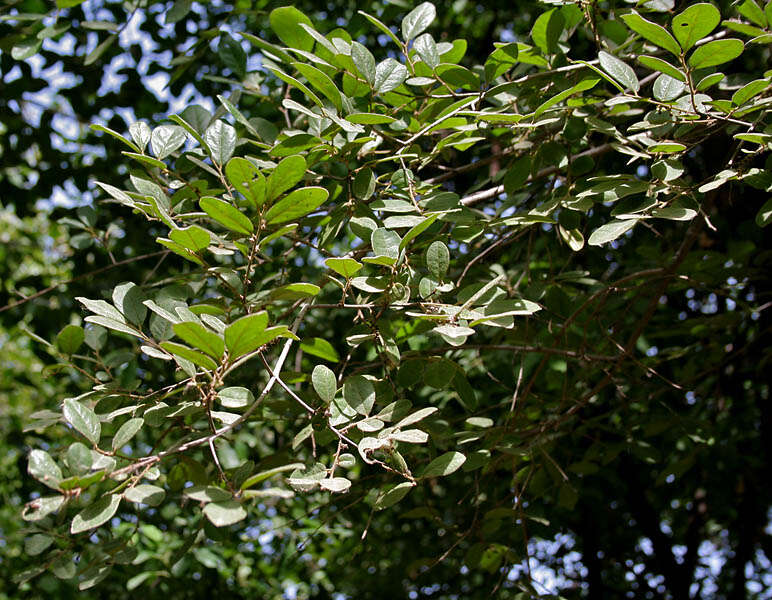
(83, 419)
(323, 380)
(95, 514)
(242, 335)
(619, 70)
(715, 53)
(70, 339)
(226, 215)
(296, 204)
(694, 23)
(222, 514)
(359, 394)
(444, 465)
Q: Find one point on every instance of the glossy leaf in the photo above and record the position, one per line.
(43, 468)
(444, 465)
(694, 23)
(320, 348)
(417, 20)
(715, 53)
(83, 419)
(285, 22)
(347, 267)
(242, 335)
(226, 215)
(287, 173)
(95, 514)
(222, 514)
(165, 139)
(70, 338)
(656, 34)
(296, 204)
(200, 337)
(619, 70)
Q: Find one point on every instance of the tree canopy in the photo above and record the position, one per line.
(400, 299)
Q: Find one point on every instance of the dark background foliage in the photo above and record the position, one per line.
(645, 469)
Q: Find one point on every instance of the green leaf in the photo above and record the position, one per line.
(517, 175)
(37, 544)
(752, 11)
(359, 394)
(321, 82)
(221, 139)
(296, 204)
(222, 514)
(70, 339)
(619, 70)
(651, 31)
(370, 118)
(335, 484)
(42, 507)
(97, 52)
(128, 298)
(193, 238)
(547, 29)
(126, 432)
(321, 348)
(295, 291)
(247, 179)
(426, 48)
(83, 419)
(178, 11)
(285, 22)
(241, 335)
(749, 91)
(226, 215)
(385, 242)
(235, 397)
(437, 260)
(323, 380)
(207, 493)
(165, 139)
(287, 173)
(43, 468)
(444, 465)
(715, 53)
(263, 475)
(667, 88)
(364, 184)
(586, 84)
(364, 62)
(197, 358)
(95, 514)
(200, 337)
(389, 75)
(662, 66)
(79, 458)
(247, 345)
(667, 147)
(417, 230)
(393, 495)
(232, 55)
(347, 267)
(764, 216)
(694, 23)
(144, 493)
(27, 48)
(610, 231)
(417, 20)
